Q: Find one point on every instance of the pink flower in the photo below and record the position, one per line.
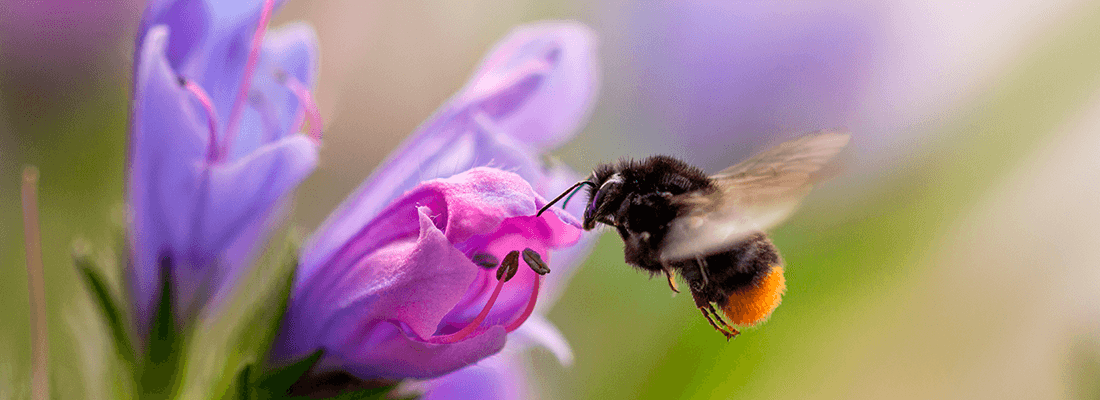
(410, 294)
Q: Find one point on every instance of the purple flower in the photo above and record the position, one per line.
(54, 48)
(405, 298)
(364, 291)
(716, 81)
(216, 104)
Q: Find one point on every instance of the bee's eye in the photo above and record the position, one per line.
(611, 186)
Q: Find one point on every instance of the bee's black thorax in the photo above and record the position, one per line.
(634, 197)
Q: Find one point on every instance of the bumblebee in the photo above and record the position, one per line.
(676, 220)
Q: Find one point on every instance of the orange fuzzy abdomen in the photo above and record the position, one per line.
(754, 303)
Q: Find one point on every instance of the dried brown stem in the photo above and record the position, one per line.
(40, 346)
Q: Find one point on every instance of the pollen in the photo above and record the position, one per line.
(754, 303)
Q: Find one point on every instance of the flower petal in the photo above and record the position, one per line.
(189, 22)
(247, 190)
(539, 331)
(273, 109)
(402, 269)
(161, 188)
(219, 65)
(538, 83)
(473, 203)
(393, 355)
(500, 377)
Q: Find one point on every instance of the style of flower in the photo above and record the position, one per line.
(394, 284)
(217, 101)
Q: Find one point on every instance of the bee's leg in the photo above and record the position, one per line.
(671, 281)
(707, 309)
(702, 269)
(718, 316)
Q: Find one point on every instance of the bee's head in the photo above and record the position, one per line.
(601, 191)
(600, 194)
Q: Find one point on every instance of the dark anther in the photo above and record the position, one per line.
(485, 260)
(534, 261)
(255, 97)
(181, 80)
(508, 267)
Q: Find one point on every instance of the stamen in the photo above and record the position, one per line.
(530, 306)
(534, 261)
(40, 389)
(509, 266)
(464, 332)
(485, 260)
(246, 80)
(211, 116)
(505, 273)
(304, 97)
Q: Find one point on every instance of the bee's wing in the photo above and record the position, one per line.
(752, 196)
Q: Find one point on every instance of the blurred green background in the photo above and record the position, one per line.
(954, 257)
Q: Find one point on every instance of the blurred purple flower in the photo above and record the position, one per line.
(216, 104)
(716, 81)
(351, 295)
(502, 376)
(56, 49)
(498, 377)
(403, 298)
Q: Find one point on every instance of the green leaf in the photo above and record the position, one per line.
(244, 383)
(275, 384)
(380, 393)
(159, 375)
(263, 326)
(105, 299)
(282, 298)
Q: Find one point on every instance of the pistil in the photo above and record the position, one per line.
(211, 116)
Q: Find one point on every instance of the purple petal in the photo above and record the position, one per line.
(539, 331)
(538, 83)
(392, 355)
(462, 134)
(501, 377)
(213, 44)
(189, 22)
(273, 109)
(163, 169)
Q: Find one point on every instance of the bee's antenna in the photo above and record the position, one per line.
(569, 192)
